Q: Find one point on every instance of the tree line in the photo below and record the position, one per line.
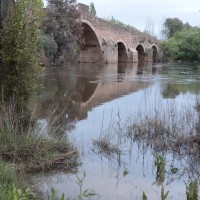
(182, 41)
(30, 32)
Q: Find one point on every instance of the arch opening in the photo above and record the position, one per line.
(155, 54)
(90, 49)
(141, 54)
(122, 54)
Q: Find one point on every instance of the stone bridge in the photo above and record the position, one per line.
(104, 41)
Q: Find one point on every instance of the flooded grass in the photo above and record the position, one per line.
(29, 149)
(171, 131)
(166, 130)
(106, 147)
(160, 163)
(107, 144)
(149, 141)
(192, 190)
(109, 141)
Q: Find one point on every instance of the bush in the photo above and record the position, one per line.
(184, 45)
(20, 44)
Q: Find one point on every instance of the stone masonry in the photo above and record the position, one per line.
(103, 41)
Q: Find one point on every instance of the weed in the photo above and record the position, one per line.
(54, 195)
(9, 189)
(85, 193)
(144, 197)
(7, 179)
(192, 190)
(105, 146)
(125, 172)
(160, 163)
(18, 194)
(30, 148)
(164, 194)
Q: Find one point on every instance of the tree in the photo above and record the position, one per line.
(189, 44)
(170, 49)
(171, 26)
(149, 26)
(62, 24)
(4, 7)
(20, 49)
(50, 47)
(92, 9)
(184, 45)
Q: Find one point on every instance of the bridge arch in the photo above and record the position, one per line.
(141, 54)
(122, 52)
(154, 53)
(90, 47)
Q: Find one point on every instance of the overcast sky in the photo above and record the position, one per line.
(136, 12)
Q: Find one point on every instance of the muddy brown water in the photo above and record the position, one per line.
(99, 101)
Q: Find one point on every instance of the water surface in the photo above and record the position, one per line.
(98, 100)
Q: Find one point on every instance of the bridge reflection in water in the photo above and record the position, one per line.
(73, 91)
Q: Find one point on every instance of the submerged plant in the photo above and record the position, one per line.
(144, 197)
(160, 163)
(18, 194)
(164, 194)
(125, 172)
(32, 149)
(54, 195)
(86, 193)
(7, 179)
(106, 146)
(192, 190)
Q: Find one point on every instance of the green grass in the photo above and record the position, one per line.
(27, 149)
(7, 179)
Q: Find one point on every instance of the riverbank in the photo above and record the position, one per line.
(27, 150)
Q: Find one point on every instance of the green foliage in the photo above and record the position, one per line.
(4, 5)
(144, 197)
(92, 9)
(192, 190)
(19, 53)
(18, 194)
(189, 44)
(173, 25)
(170, 49)
(184, 45)
(54, 195)
(50, 47)
(125, 172)
(160, 163)
(7, 178)
(62, 24)
(164, 194)
(82, 194)
(174, 170)
(8, 185)
(86, 193)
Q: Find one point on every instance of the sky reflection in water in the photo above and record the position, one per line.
(100, 99)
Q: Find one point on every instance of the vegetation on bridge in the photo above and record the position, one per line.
(92, 9)
(121, 24)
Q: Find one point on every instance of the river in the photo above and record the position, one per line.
(103, 102)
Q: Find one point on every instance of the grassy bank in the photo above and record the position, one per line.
(29, 149)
